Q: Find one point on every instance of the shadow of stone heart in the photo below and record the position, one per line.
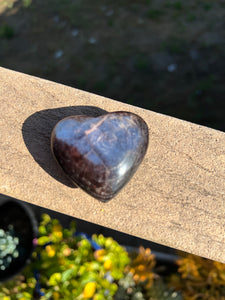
(37, 130)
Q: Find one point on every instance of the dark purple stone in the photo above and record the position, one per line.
(100, 154)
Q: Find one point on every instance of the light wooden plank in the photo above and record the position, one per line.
(176, 198)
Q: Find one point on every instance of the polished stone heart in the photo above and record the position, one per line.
(100, 154)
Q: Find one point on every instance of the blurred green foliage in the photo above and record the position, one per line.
(66, 265)
(69, 266)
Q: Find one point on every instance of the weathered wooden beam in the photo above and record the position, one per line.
(176, 198)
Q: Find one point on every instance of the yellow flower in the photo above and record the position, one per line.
(141, 268)
(108, 264)
(57, 231)
(55, 279)
(6, 298)
(98, 254)
(89, 290)
(50, 250)
(56, 295)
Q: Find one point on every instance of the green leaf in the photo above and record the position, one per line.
(68, 274)
(42, 230)
(55, 278)
(45, 219)
(43, 240)
(27, 296)
(48, 295)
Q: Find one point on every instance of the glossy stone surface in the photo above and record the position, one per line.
(100, 154)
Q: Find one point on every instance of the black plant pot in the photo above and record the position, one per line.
(20, 217)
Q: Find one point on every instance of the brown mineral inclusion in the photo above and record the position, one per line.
(100, 154)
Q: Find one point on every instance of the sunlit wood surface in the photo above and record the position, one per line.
(176, 198)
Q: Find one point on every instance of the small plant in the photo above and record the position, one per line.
(200, 278)
(142, 267)
(138, 277)
(128, 289)
(19, 288)
(159, 291)
(67, 265)
(72, 266)
(9, 244)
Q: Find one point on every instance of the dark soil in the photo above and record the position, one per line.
(167, 56)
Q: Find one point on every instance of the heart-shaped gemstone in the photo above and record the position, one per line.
(100, 154)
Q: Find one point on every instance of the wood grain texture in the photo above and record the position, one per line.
(176, 198)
